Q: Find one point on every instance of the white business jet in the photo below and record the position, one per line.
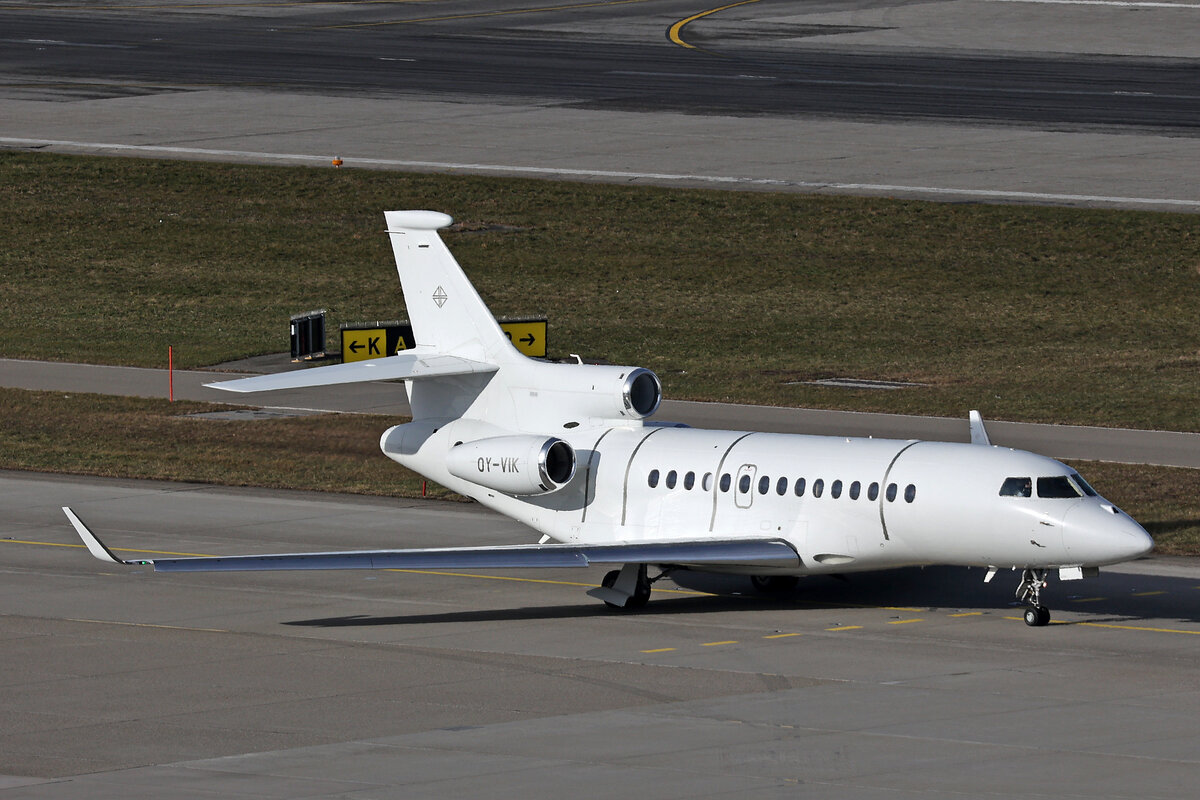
(566, 449)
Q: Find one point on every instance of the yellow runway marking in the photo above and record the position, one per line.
(478, 15)
(1147, 594)
(903, 621)
(1088, 599)
(660, 650)
(845, 628)
(781, 635)
(1143, 628)
(714, 644)
(673, 31)
(1137, 628)
(968, 614)
(114, 549)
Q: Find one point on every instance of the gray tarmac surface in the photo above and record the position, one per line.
(1162, 448)
(914, 683)
(1036, 102)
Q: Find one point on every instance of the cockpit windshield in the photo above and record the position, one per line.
(1057, 486)
(1054, 487)
(1083, 485)
(1017, 487)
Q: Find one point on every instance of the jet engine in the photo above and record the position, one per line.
(519, 465)
(596, 391)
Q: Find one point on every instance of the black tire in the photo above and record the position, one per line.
(639, 599)
(608, 581)
(1037, 617)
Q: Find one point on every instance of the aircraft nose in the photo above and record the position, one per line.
(1100, 533)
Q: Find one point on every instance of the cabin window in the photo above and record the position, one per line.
(689, 481)
(873, 491)
(726, 482)
(781, 487)
(890, 494)
(910, 493)
(835, 490)
(653, 480)
(818, 487)
(671, 476)
(707, 482)
(1078, 480)
(744, 484)
(1056, 487)
(799, 488)
(855, 490)
(1017, 487)
(764, 484)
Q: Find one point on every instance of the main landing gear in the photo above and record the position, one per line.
(627, 588)
(1030, 591)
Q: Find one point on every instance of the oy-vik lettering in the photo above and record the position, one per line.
(498, 464)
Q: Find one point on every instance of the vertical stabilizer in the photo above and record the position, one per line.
(446, 312)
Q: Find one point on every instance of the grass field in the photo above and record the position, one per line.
(1034, 314)
(136, 438)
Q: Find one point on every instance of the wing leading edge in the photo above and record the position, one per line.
(414, 364)
(729, 552)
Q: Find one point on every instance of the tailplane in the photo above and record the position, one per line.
(446, 313)
(456, 335)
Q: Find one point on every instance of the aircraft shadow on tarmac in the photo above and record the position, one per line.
(1110, 598)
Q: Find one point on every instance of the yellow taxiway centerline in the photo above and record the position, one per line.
(674, 30)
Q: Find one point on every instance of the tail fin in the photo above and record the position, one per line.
(446, 312)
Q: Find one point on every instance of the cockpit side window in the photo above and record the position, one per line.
(1083, 485)
(1056, 486)
(1017, 487)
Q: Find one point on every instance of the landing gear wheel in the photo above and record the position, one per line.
(1037, 617)
(609, 579)
(641, 593)
(640, 597)
(1030, 591)
(774, 585)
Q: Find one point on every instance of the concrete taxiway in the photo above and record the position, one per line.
(914, 683)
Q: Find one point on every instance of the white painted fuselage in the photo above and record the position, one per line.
(844, 504)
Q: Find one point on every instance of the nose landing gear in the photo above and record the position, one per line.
(1030, 591)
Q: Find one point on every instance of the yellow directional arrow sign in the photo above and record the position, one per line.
(528, 336)
(381, 339)
(359, 345)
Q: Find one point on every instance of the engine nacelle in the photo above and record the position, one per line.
(596, 391)
(520, 465)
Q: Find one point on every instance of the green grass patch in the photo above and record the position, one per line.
(1026, 313)
(86, 434)
(126, 437)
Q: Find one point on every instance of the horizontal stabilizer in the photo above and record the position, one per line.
(410, 365)
(740, 552)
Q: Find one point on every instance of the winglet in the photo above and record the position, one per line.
(94, 545)
(978, 432)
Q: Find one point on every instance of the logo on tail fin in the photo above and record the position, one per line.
(440, 297)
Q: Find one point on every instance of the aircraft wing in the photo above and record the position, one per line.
(411, 365)
(742, 552)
